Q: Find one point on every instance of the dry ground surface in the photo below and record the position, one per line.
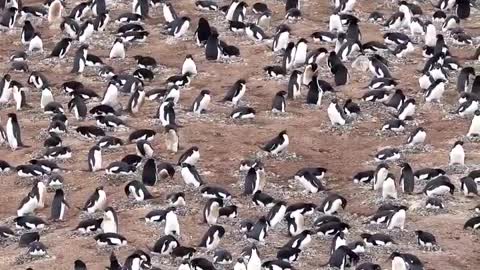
(223, 143)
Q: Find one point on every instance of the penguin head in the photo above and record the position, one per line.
(283, 132)
(205, 92)
(365, 236)
(7, 77)
(118, 40)
(12, 116)
(59, 192)
(457, 143)
(395, 254)
(477, 113)
(79, 265)
(290, 46)
(281, 94)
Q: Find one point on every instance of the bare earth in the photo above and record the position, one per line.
(223, 143)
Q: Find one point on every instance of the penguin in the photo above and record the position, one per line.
(27, 205)
(28, 32)
(236, 92)
(468, 186)
(262, 199)
(129, 17)
(259, 230)
(323, 36)
(29, 222)
(110, 221)
(377, 239)
(435, 91)
(308, 73)
(127, 165)
(332, 204)
(278, 144)
(474, 129)
(5, 167)
(145, 62)
(417, 136)
(136, 101)
(171, 138)
(389, 189)
(387, 154)
(211, 239)
(311, 183)
(37, 249)
(378, 69)
(368, 266)
(300, 52)
(79, 265)
(213, 192)
(315, 93)
(276, 213)
(149, 172)
(96, 201)
(463, 79)
(53, 141)
(165, 245)
(110, 96)
(98, 7)
(176, 199)
(59, 206)
(77, 105)
(240, 264)
(79, 62)
(79, 11)
(118, 49)
(179, 26)
(19, 96)
(336, 114)
(295, 222)
(243, 113)
(425, 239)
(90, 132)
(281, 38)
(38, 80)
(434, 203)
(190, 175)
(381, 173)
(9, 17)
(25, 238)
(201, 103)
(457, 154)
(140, 7)
(85, 31)
(12, 129)
(338, 241)
(211, 211)
(212, 48)
(397, 218)
(451, 22)
(294, 85)
(407, 110)
(101, 21)
(30, 170)
(139, 191)
(190, 156)
(407, 179)
(141, 134)
(110, 239)
(473, 223)
(279, 102)
(203, 32)
(19, 56)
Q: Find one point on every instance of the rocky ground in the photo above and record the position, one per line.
(224, 143)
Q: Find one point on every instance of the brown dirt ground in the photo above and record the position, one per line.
(224, 143)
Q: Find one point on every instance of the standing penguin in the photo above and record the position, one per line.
(301, 52)
(171, 138)
(407, 179)
(172, 227)
(27, 32)
(279, 103)
(12, 129)
(463, 9)
(203, 32)
(61, 48)
(189, 65)
(36, 43)
(80, 59)
(201, 103)
(336, 114)
(59, 206)
(254, 262)
(474, 130)
(381, 173)
(389, 190)
(149, 173)
(457, 154)
(211, 211)
(46, 97)
(136, 101)
(294, 84)
(110, 221)
(96, 201)
(118, 49)
(211, 239)
(95, 158)
(191, 156)
(78, 106)
(141, 7)
(212, 48)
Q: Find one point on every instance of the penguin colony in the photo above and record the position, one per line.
(136, 144)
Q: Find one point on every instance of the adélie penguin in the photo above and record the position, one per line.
(236, 92)
(59, 206)
(278, 144)
(457, 154)
(13, 132)
(137, 190)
